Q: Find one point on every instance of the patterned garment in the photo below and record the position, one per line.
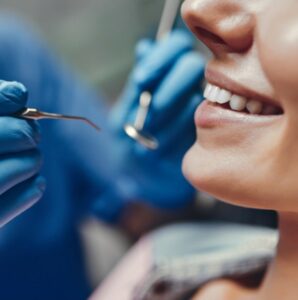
(173, 262)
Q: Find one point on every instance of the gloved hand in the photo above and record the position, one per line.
(20, 186)
(172, 71)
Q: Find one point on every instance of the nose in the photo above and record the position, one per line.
(225, 26)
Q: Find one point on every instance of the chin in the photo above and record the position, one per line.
(197, 171)
(226, 177)
(203, 171)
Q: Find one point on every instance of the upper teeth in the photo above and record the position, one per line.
(215, 94)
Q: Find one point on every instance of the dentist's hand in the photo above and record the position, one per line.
(172, 71)
(20, 185)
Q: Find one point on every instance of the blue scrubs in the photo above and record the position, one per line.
(40, 252)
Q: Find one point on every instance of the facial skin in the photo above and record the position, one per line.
(248, 161)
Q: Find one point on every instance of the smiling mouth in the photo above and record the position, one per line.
(226, 99)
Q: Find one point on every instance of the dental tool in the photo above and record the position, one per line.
(136, 130)
(34, 114)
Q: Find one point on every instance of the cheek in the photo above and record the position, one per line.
(277, 40)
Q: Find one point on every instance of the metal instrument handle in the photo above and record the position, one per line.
(166, 23)
(34, 114)
(145, 100)
(168, 18)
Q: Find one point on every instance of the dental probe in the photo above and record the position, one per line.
(34, 114)
(135, 131)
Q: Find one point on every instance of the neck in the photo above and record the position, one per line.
(281, 281)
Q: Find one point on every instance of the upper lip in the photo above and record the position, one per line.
(226, 83)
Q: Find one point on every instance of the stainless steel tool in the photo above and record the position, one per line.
(34, 114)
(136, 130)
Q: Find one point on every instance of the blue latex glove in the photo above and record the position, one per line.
(20, 187)
(172, 71)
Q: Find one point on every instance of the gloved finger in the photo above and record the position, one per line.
(20, 198)
(143, 48)
(123, 110)
(161, 58)
(184, 80)
(182, 133)
(18, 135)
(13, 97)
(17, 168)
(158, 58)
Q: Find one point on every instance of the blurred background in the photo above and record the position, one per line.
(96, 37)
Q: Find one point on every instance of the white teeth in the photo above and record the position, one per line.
(238, 103)
(224, 96)
(254, 107)
(207, 90)
(213, 95)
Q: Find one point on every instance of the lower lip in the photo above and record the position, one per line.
(209, 115)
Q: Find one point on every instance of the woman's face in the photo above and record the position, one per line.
(246, 150)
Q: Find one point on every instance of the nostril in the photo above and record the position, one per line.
(208, 35)
(224, 26)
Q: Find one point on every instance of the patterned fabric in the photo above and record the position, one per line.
(185, 256)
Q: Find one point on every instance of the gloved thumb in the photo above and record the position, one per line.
(13, 97)
(143, 48)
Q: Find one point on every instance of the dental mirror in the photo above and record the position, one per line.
(136, 130)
